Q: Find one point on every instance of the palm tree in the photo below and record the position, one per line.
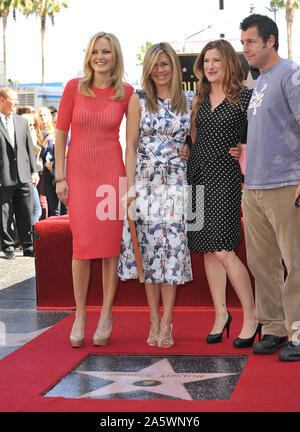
(43, 9)
(141, 55)
(290, 6)
(275, 6)
(5, 7)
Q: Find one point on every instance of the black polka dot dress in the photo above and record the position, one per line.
(212, 167)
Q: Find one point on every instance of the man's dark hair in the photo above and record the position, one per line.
(265, 26)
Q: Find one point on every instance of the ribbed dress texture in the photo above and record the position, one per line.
(94, 168)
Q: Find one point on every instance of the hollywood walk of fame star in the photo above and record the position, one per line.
(159, 378)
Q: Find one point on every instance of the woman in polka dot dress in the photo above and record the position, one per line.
(218, 120)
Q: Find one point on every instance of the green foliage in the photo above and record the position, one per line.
(277, 4)
(6, 5)
(44, 8)
(281, 4)
(140, 56)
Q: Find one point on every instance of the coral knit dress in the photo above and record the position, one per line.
(95, 169)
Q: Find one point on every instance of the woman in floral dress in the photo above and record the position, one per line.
(157, 125)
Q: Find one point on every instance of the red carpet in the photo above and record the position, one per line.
(266, 384)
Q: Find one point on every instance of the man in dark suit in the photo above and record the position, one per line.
(18, 171)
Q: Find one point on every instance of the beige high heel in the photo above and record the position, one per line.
(78, 338)
(165, 341)
(101, 336)
(154, 333)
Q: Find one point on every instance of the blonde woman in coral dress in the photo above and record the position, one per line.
(93, 107)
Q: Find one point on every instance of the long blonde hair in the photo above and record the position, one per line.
(86, 83)
(178, 99)
(48, 126)
(233, 72)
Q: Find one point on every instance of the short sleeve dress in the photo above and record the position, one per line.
(94, 168)
(160, 184)
(212, 167)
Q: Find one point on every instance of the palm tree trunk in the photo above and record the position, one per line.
(4, 19)
(43, 31)
(289, 33)
(290, 14)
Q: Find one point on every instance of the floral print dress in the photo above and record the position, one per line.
(161, 198)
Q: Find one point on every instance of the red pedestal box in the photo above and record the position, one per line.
(53, 258)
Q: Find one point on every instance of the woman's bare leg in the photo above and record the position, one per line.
(217, 279)
(240, 280)
(81, 271)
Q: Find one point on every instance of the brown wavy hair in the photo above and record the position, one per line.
(233, 72)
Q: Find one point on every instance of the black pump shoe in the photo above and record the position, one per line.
(217, 337)
(247, 343)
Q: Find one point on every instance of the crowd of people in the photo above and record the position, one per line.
(42, 128)
(44, 201)
(183, 198)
